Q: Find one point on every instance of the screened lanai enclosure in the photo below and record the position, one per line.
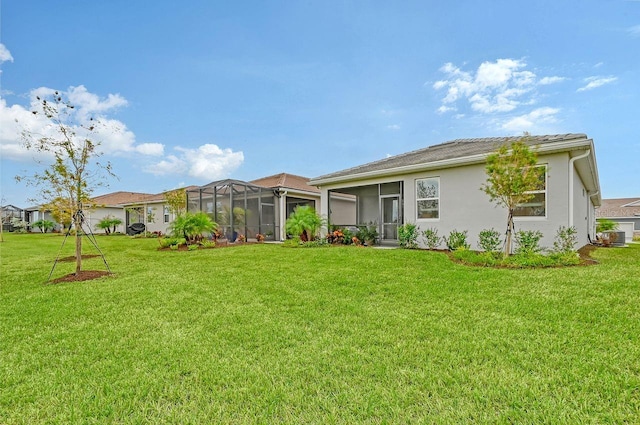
(379, 204)
(239, 208)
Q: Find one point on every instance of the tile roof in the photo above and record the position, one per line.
(285, 180)
(459, 148)
(120, 197)
(618, 208)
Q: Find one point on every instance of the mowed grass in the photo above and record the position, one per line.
(266, 334)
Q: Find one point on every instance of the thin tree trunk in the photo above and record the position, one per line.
(78, 226)
(510, 228)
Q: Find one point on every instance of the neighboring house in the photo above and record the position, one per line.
(7, 214)
(130, 207)
(114, 205)
(150, 209)
(440, 187)
(35, 213)
(625, 212)
(259, 206)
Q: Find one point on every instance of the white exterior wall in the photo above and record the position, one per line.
(93, 217)
(464, 206)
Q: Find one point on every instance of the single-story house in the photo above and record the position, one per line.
(625, 212)
(259, 206)
(440, 187)
(149, 209)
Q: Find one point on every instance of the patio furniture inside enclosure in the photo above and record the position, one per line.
(239, 208)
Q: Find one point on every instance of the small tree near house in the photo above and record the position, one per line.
(176, 201)
(66, 184)
(511, 176)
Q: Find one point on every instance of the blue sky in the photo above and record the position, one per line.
(196, 91)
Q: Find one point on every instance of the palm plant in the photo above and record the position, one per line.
(44, 225)
(109, 224)
(303, 222)
(191, 226)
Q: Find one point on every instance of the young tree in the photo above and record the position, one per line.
(511, 176)
(66, 184)
(176, 200)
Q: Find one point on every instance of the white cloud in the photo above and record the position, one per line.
(114, 136)
(550, 80)
(531, 121)
(444, 109)
(594, 82)
(499, 86)
(207, 162)
(151, 149)
(5, 54)
(634, 31)
(393, 127)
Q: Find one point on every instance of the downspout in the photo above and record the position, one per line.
(571, 162)
(283, 214)
(592, 218)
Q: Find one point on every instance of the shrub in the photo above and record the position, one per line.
(304, 223)
(408, 236)
(368, 234)
(605, 225)
(167, 242)
(44, 225)
(528, 241)
(109, 224)
(193, 247)
(174, 247)
(489, 240)
(430, 238)
(207, 243)
(566, 239)
(456, 240)
(191, 226)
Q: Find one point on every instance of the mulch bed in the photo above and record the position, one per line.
(82, 276)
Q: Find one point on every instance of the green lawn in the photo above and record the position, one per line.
(266, 334)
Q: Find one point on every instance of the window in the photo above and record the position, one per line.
(537, 206)
(428, 198)
(166, 214)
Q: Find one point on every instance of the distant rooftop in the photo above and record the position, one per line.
(284, 180)
(618, 208)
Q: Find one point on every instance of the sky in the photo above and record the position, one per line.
(196, 91)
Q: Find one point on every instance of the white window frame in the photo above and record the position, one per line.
(437, 198)
(546, 199)
(166, 214)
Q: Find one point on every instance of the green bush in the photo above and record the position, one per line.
(408, 236)
(191, 226)
(605, 225)
(430, 238)
(489, 240)
(528, 242)
(304, 223)
(456, 240)
(44, 225)
(566, 239)
(170, 241)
